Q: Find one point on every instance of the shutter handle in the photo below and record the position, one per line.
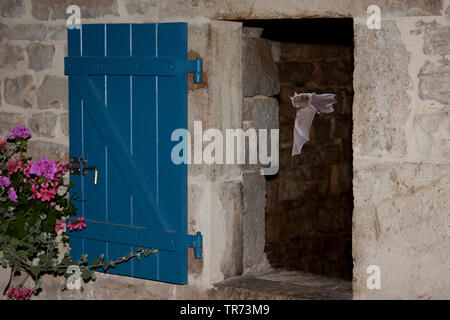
(86, 168)
(95, 172)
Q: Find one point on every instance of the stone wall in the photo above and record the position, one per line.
(310, 202)
(260, 111)
(401, 156)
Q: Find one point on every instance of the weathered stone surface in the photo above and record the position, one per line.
(64, 120)
(435, 81)
(381, 79)
(437, 41)
(254, 201)
(332, 74)
(3, 31)
(9, 120)
(56, 9)
(259, 113)
(43, 124)
(436, 37)
(260, 74)
(407, 7)
(400, 223)
(297, 73)
(11, 8)
(230, 207)
(294, 9)
(11, 57)
(142, 7)
(50, 150)
(432, 133)
(20, 91)
(53, 93)
(40, 56)
(32, 32)
(283, 285)
(57, 33)
(305, 51)
(262, 111)
(0, 94)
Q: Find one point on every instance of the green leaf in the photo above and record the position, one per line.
(87, 274)
(35, 271)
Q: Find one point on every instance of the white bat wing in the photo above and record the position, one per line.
(302, 127)
(323, 102)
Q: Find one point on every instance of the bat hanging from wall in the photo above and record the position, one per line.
(307, 106)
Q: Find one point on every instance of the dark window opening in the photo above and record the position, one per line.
(309, 202)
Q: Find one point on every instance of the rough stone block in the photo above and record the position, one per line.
(57, 33)
(32, 32)
(56, 9)
(291, 51)
(400, 223)
(141, 7)
(50, 150)
(332, 74)
(9, 120)
(53, 93)
(3, 31)
(434, 81)
(262, 111)
(435, 36)
(43, 124)
(432, 133)
(12, 8)
(381, 104)
(11, 57)
(64, 120)
(40, 56)
(297, 73)
(20, 91)
(254, 202)
(260, 73)
(229, 213)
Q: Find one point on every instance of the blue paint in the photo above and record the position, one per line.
(127, 93)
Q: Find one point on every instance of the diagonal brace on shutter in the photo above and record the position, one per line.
(107, 130)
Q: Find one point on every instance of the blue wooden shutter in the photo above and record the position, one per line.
(127, 93)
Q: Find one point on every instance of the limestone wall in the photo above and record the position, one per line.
(401, 158)
(260, 111)
(400, 133)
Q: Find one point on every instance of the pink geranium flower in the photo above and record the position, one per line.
(79, 225)
(19, 293)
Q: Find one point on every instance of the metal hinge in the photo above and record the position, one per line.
(196, 242)
(196, 66)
